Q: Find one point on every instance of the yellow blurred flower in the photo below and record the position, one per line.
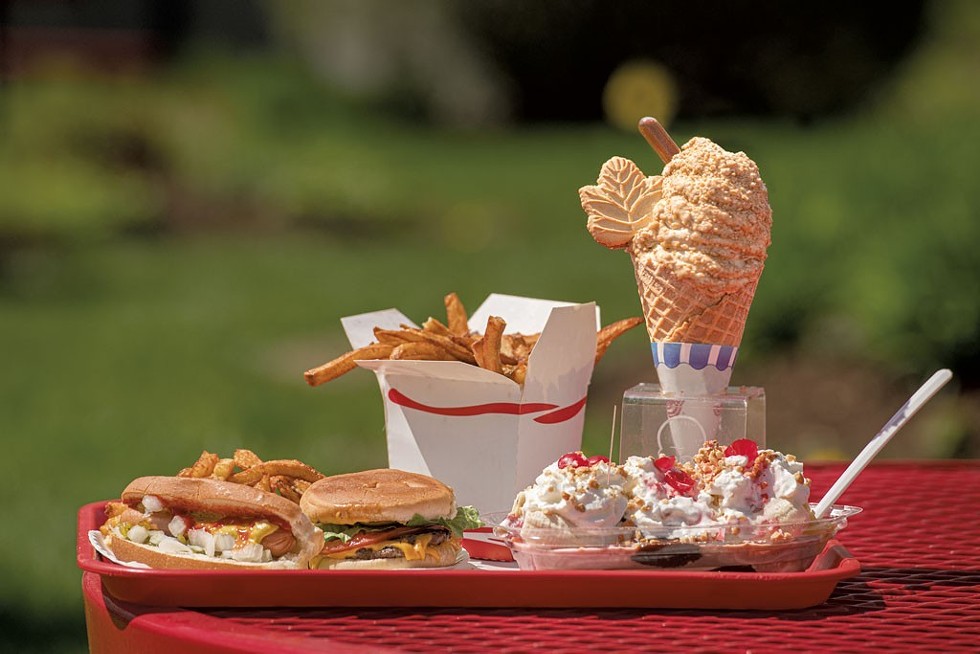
(639, 88)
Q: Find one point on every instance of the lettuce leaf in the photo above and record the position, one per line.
(467, 517)
(342, 532)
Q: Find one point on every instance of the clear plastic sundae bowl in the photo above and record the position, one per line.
(764, 547)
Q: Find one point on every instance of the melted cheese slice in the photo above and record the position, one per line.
(412, 551)
(251, 532)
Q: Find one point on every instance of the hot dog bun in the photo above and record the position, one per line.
(126, 550)
(217, 500)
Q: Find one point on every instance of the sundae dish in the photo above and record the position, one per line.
(697, 235)
(734, 505)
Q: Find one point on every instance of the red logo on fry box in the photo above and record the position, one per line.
(551, 413)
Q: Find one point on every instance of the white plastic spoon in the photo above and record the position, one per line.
(914, 403)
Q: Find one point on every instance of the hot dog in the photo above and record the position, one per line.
(174, 522)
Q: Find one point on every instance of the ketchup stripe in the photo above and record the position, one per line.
(561, 415)
(555, 413)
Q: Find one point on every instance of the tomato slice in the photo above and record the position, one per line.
(367, 538)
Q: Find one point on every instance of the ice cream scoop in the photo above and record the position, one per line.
(750, 486)
(573, 493)
(663, 499)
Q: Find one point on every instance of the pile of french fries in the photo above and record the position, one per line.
(494, 350)
(287, 477)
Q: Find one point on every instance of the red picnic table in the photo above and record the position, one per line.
(917, 542)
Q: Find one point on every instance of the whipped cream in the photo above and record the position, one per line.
(769, 489)
(580, 496)
(656, 508)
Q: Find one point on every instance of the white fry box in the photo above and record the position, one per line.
(477, 430)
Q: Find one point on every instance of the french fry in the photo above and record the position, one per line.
(246, 458)
(518, 346)
(456, 315)
(345, 363)
(491, 343)
(436, 327)
(611, 332)
(288, 467)
(450, 345)
(203, 467)
(223, 469)
(507, 354)
(389, 336)
(283, 485)
(287, 477)
(517, 373)
(476, 347)
(420, 350)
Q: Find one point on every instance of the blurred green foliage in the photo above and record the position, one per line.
(875, 217)
(59, 177)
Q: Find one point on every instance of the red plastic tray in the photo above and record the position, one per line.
(465, 588)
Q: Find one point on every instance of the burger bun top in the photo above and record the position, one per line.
(377, 496)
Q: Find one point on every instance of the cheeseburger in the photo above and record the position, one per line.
(180, 522)
(386, 519)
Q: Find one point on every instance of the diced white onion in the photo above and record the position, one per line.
(138, 534)
(266, 555)
(202, 539)
(177, 526)
(152, 503)
(249, 553)
(156, 536)
(173, 546)
(224, 542)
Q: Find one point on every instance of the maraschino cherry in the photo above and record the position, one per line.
(578, 460)
(743, 447)
(676, 478)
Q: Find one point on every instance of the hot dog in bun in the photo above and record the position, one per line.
(174, 522)
(386, 519)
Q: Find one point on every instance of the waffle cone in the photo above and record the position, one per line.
(677, 311)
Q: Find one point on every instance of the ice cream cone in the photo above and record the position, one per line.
(679, 312)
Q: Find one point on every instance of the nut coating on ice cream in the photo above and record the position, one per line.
(712, 222)
(697, 235)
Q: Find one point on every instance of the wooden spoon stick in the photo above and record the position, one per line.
(658, 138)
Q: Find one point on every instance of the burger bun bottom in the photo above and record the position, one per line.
(441, 556)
